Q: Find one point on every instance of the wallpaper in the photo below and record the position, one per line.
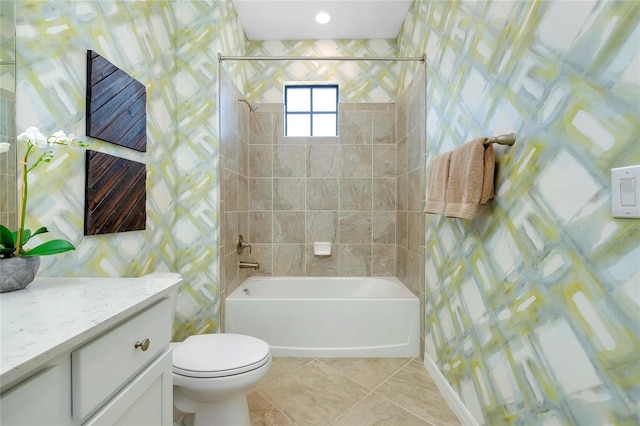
(172, 48)
(532, 307)
(52, 40)
(359, 81)
(204, 30)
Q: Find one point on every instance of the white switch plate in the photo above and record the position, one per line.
(625, 192)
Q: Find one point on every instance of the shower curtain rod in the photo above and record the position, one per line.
(422, 58)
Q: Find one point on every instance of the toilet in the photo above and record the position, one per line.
(211, 374)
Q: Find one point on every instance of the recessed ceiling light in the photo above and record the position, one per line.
(323, 18)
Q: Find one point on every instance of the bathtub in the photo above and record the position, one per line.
(327, 317)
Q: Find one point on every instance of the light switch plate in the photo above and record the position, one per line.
(625, 192)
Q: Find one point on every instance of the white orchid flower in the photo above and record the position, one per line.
(57, 138)
(4, 146)
(33, 134)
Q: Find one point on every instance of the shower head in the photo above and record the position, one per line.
(251, 107)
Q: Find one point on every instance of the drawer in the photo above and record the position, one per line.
(102, 367)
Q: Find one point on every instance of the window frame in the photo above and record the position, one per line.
(310, 112)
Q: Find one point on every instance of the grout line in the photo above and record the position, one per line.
(275, 406)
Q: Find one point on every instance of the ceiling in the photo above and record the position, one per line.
(295, 19)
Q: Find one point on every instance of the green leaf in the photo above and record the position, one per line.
(6, 252)
(6, 238)
(40, 231)
(26, 236)
(48, 248)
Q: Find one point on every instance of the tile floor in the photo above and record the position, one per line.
(348, 392)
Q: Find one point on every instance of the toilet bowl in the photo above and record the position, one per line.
(211, 374)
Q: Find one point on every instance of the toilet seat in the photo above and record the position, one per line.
(219, 355)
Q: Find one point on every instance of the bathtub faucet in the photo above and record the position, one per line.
(246, 265)
(242, 244)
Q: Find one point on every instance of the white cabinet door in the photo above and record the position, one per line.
(146, 400)
(43, 399)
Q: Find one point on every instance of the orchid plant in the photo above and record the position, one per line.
(12, 243)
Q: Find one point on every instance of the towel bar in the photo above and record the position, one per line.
(508, 139)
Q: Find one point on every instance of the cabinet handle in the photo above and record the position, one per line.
(144, 345)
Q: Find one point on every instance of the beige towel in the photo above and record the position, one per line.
(470, 179)
(438, 177)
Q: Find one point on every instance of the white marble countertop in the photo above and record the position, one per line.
(55, 315)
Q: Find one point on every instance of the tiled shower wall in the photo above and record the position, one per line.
(234, 185)
(340, 190)
(410, 170)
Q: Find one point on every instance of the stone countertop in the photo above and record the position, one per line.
(53, 316)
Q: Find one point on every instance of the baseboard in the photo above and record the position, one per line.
(449, 394)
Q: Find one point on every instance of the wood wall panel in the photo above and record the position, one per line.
(116, 104)
(115, 198)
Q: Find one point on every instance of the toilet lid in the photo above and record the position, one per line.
(219, 355)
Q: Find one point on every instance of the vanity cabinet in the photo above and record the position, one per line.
(120, 375)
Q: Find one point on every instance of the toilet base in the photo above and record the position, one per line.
(233, 411)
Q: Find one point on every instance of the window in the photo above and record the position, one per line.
(311, 110)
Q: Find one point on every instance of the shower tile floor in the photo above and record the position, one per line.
(348, 392)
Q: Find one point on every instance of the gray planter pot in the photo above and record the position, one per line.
(17, 272)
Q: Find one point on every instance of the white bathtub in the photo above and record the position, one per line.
(327, 317)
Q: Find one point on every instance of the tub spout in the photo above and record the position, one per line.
(245, 265)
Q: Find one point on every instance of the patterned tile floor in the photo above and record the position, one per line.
(348, 392)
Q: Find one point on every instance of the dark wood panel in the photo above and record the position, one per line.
(115, 194)
(116, 103)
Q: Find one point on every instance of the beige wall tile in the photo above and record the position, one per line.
(355, 227)
(355, 160)
(230, 151)
(415, 148)
(230, 231)
(261, 128)
(384, 193)
(402, 164)
(415, 231)
(288, 227)
(355, 260)
(416, 193)
(321, 226)
(261, 161)
(230, 266)
(402, 229)
(403, 192)
(323, 160)
(323, 140)
(260, 193)
(354, 127)
(383, 127)
(321, 266)
(243, 193)
(288, 193)
(384, 160)
(322, 193)
(260, 223)
(401, 264)
(355, 194)
(383, 260)
(243, 158)
(289, 161)
(288, 260)
(263, 254)
(384, 227)
(230, 190)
